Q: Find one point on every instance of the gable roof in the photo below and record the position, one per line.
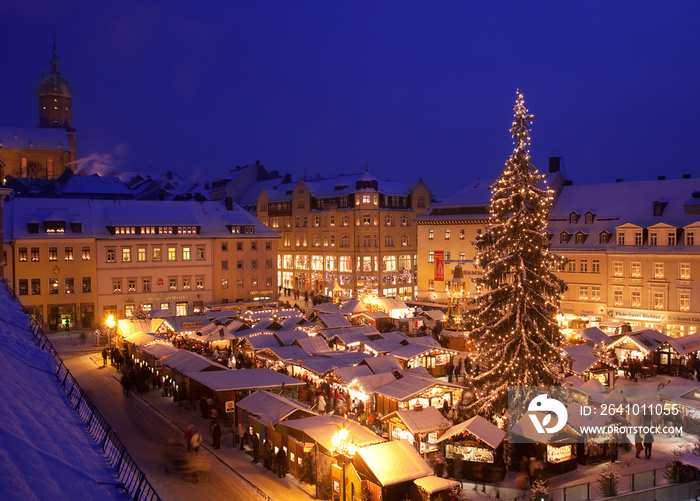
(271, 408)
(480, 428)
(394, 462)
(425, 420)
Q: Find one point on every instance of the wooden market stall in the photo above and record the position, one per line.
(686, 395)
(478, 445)
(407, 390)
(596, 447)
(557, 451)
(421, 426)
(434, 488)
(434, 359)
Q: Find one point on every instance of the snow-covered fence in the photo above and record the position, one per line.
(129, 476)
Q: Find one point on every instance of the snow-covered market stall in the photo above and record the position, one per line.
(476, 447)
(421, 426)
(686, 395)
(557, 450)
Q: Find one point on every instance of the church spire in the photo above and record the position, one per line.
(54, 67)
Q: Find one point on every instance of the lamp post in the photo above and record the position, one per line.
(345, 449)
(110, 326)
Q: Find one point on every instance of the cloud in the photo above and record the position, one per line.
(103, 164)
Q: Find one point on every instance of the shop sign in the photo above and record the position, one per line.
(644, 316)
(230, 405)
(439, 266)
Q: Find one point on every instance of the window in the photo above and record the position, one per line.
(187, 253)
(653, 239)
(604, 237)
(332, 240)
(571, 265)
(86, 254)
(461, 234)
(431, 285)
(573, 218)
(32, 227)
(53, 285)
(22, 254)
(366, 219)
(239, 264)
(111, 255)
(584, 265)
(186, 283)
(389, 220)
(254, 282)
(146, 284)
(36, 286)
(317, 241)
(658, 300)
(617, 268)
(172, 253)
(620, 238)
(76, 227)
(200, 253)
(366, 240)
(239, 246)
(254, 264)
(595, 266)
(224, 265)
(638, 238)
(345, 263)
(672, 239)
(157, 254)
(581, 237)
(447, 234)
(224, 246)
(564, 237)
(268, 281)
(636, 297)
(690, 238)
(589, 218)
(116, 285)
(431, 256)
(268, 245)
(617, 297)
(300, 204)
(344, 241)
(405, 240)
(22, 287)
(181, 309)
(224, 283)
(462, 256)
(141, 254)
(316, 221)
(389, 240)
(172, 283)
(684, 301)
(404, 220)
(583, 292)
(240, 283)
(131, 285)
(345, 220)
(431, 234)
(200, 282)
(421, 202)
(658, 270)
(595, 292)
(68, 254)
(636, 269)
(254, 245)
(87, 284)
(389, 263)
(53, 253)
(34, 254)
(684, 272)
(126, 254)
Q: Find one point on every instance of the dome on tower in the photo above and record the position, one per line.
(54, 84)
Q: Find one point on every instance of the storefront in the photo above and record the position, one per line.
(477, 447)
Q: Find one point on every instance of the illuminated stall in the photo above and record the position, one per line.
(421, 426)
(596, 447)
(558, 451)
(434, 359)
(685, 394)
(408, 390)
(479, 446)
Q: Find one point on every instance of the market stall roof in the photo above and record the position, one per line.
(160, 350)
(480, 428)
(131, 326)
(594, 389)
(186, 362)
(333, 320)
(386, 363)
(432, 484)
(420, 420)
(422, 341)
(347, 374)
(397, 336)
(582, 357)
(416, 350)
(142, 339)
(388, 304)
(594, 334)
(410, 385)
(349, 335)
(690, 460)
(286, 353)
(292, 322)
(526, 429)
(394, 462)
(383, 346)
(319, 365)
(344, 307)
(271, 408)
(369, 384)
(263, 341)
(188, 323)
(573, 381)
(313, 345)
(287, 338)
(682, 391)
(615, 398)
(320, 429)
(685, 344)
(647, 340)
(436, 315)
(244, 379)
(346, 357)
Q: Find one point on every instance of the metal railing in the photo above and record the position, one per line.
(129, 476)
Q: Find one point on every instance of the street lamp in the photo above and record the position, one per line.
(110, 326)
(345, 449)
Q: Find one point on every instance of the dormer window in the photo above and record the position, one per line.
(604, 237)
(76, 227)
(620, 238)
(547, 234)
(581, 237)
(573, 218)
(659, 207)
(564, 237)
(55, 226)
(32, 227)
(589, 217)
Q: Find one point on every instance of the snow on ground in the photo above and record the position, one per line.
(45, 449)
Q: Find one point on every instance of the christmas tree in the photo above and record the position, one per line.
(512, 320)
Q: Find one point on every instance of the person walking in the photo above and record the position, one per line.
(216, 435)
(638, 444)
(105, 354)
(241, 433)
(267, 454)
(648, 441)
(256, 448)
(281, 463)
(321, 404)
(189, 432)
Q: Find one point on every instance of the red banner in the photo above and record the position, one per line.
(439, 266)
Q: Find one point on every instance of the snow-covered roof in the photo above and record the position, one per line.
(388, 304)
(347, 374)
(131, 326)
(432, 484)
(594, 334)
(423, 341)
(263, 341)
(682, 391)
(480, 428)
(346, 335)
(319, 365)
(582, 357)
(313, 345)
(270, 407)
(685, 344)
(409, 386)
(288, 337)
(394, 462)
(34, 138)
(333, 321)
(434, 315)
(382, 364)
(142, 338)
(160, 350)
(415, 350)
(344, 307)
(321, 429)
(187, 362)
(647, 340)
(425, 420)
(346, 357)
(244, 379)
(46, 451)
(286, 353)
(690, 460)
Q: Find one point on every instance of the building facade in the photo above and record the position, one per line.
(76, 261)
(352, 230)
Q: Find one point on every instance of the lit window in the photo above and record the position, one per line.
(172, 254)
(684, 301)
(658, 270)
(172, 283)
(431, 256)
(157, 254)
(617, 268)
(431, 234)
(116, 286)
(186, 253)
(53, 253)
(447, 234)
(636, 297)
(141, 254)
(685, 271)
(126, 255)
(636, 269)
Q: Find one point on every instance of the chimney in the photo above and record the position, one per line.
(619, 180)
(418, 407)
(661, 178)
(554, 164)
(686, 176)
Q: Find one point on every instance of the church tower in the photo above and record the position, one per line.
(55, 101)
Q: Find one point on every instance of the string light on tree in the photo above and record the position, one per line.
(512, 319)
